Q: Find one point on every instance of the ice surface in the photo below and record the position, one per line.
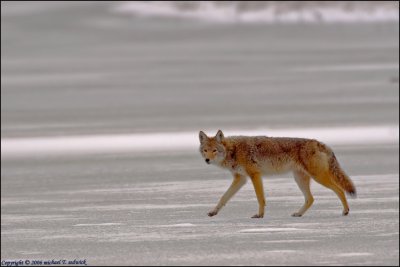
(72, 70)
(116, 210)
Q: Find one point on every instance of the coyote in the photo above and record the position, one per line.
(261, 155)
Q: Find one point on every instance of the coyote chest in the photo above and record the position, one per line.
(234, 167)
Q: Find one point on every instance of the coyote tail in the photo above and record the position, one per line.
(340, 177)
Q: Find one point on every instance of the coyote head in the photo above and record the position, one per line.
(212, 148)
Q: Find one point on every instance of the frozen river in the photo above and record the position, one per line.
(99, 120)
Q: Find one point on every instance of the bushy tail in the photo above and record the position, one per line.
(341, 177)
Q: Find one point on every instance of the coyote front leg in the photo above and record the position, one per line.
(237, 183)
(258, 187)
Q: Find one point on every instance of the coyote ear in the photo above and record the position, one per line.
(202, 136)
(220, 136)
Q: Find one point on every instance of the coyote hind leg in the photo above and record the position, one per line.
(303, 181)
(340, 193)
(327, 181)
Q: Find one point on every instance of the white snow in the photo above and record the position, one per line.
(262, 230)
(176, 141)
(271, 13)
(182, 225)
(354, 254)
(98, 224)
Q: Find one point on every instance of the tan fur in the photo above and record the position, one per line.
(260, 155)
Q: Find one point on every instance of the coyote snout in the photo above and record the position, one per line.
(259, 155)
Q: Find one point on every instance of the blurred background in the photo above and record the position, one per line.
(72, 68)
(100, 77)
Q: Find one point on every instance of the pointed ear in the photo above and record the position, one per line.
(202, 136)
(220, 136)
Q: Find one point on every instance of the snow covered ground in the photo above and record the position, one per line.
(152, 210)
(100, 113)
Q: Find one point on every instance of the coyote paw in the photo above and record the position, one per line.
(297, 214)
(212, 213)
(345, 212)
(258, 216)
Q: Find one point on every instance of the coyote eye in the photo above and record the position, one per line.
(205, 150)
(214, 150)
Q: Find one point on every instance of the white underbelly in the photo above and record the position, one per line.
(268, 167)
